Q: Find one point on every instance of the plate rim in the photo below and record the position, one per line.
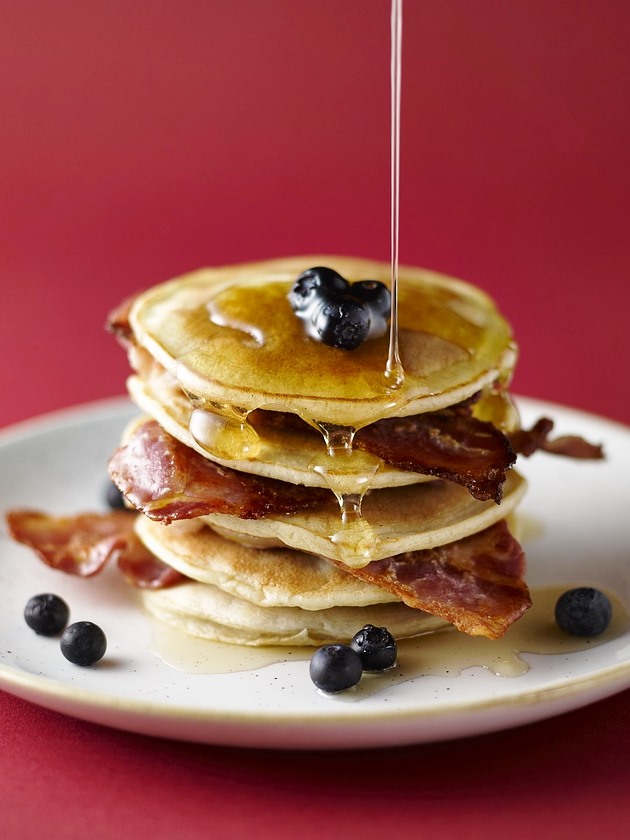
(36, 688)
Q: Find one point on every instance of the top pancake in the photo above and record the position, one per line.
(230, 338)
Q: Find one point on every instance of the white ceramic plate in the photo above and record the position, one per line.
(581, 533)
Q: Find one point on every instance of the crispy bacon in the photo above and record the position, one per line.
(446, 444)
(79, 545)
(528, 441)
(574, 446)
(475, 583)
(167, 480)
(451, 444)
(84, 543)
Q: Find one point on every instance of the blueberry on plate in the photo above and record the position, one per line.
(335, 668)
(83, 643)
(315, 284)
(342, 322)
(376, 647)
(583, 611)
(46, 614)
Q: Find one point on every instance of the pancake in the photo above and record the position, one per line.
(266, 577)
(392, 522)
(229, 337)
(286, 453)
(207, 612)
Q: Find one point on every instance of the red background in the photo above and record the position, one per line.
(143, 139)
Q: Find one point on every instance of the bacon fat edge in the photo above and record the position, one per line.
(167, 480)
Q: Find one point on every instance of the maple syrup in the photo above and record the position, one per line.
(451, 344)
(445, 653)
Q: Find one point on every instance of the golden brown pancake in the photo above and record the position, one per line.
(278, 577)
(393, 521)
(229, 337)
(285, 454)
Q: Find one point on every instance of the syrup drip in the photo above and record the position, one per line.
(225, 432)
(349, 475)
(356, 537)
(338, 439)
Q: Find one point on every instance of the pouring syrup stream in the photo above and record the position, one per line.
(394, 373)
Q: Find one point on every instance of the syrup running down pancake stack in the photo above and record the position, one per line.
(301, 495)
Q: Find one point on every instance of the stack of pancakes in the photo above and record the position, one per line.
(223, 365)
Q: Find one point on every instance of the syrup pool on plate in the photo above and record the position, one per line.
(446, 653)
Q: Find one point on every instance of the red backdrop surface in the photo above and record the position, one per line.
(143, 139)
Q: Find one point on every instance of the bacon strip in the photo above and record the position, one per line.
(445, 444)
(451, 444)
(528, 441)
(475, 583)
(167, 480)
(574, 446)
(84, 543)
(79, 545)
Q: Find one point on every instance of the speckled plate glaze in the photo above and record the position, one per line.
(58, 463)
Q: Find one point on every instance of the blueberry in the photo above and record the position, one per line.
(46, 614)
(114, 498)
(376, 647)
(83, 643)
(315, 284)
(583, 611)
(374, 293)
(336, 312)
(335, 668)
(342, 322)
